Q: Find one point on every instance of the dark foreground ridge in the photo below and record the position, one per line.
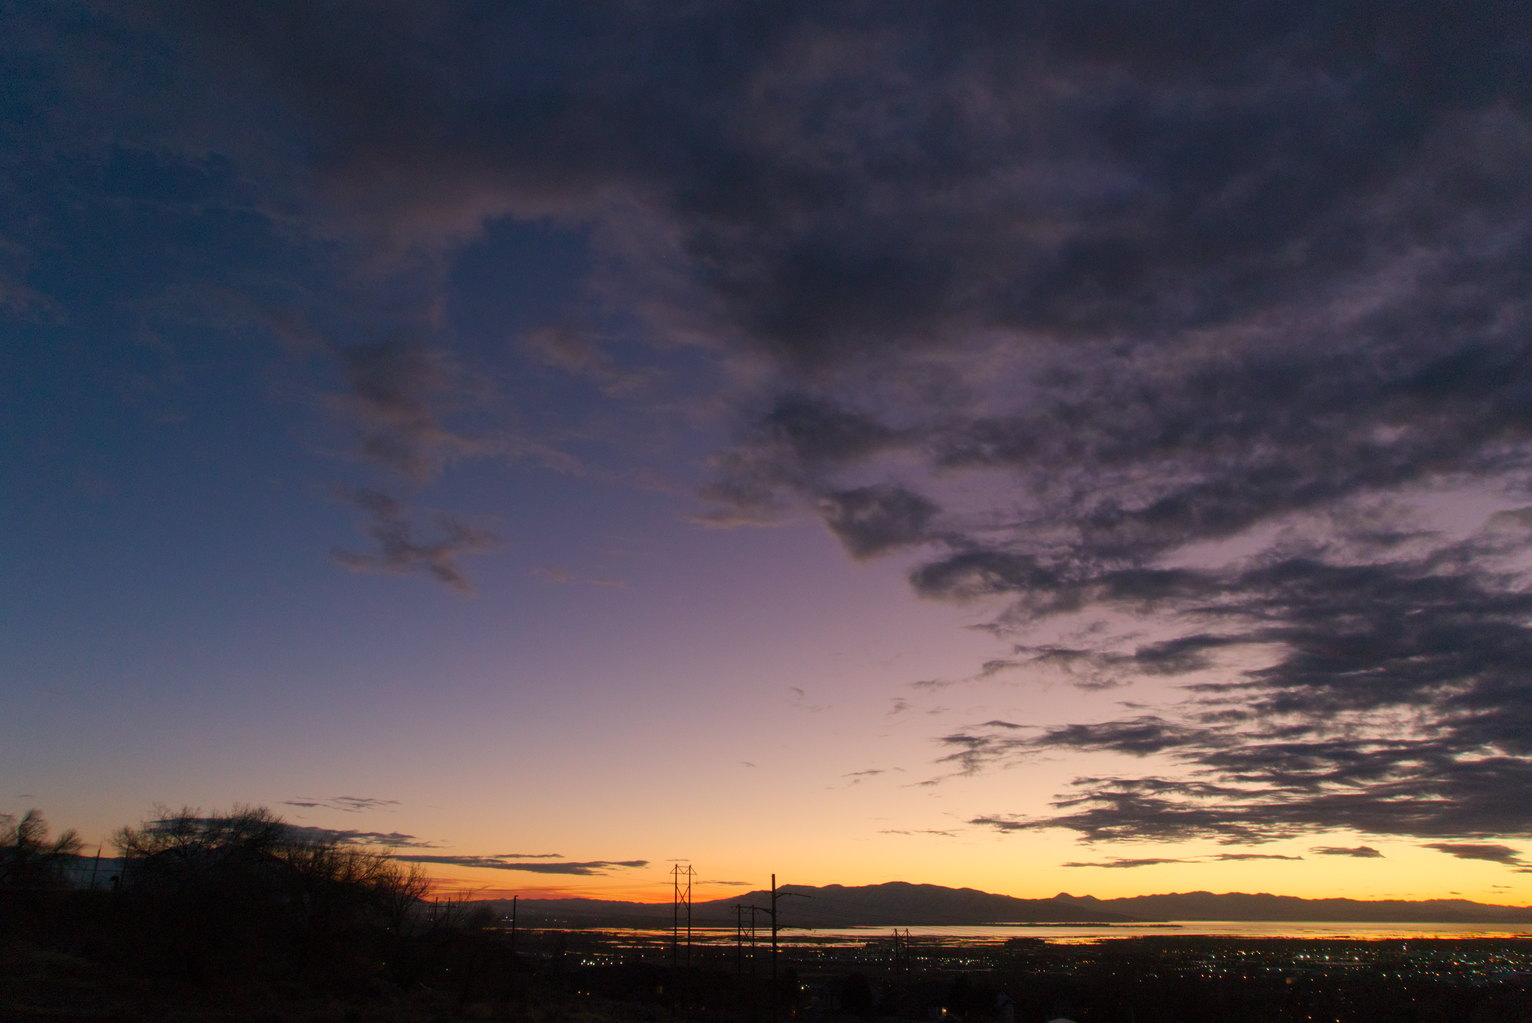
(234, 918)
(900, 904)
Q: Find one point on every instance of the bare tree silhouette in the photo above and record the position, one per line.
(28, 858)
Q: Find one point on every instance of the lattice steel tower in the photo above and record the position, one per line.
(681, 876)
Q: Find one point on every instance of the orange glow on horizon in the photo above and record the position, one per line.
(461, 887)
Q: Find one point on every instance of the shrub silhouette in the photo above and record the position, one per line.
(241, 894)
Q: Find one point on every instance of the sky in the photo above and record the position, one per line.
(1035, 447)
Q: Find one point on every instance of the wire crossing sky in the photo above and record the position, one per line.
(1030, 446)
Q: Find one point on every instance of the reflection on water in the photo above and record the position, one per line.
(1077, 934)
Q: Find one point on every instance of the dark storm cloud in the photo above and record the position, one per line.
(589, 868)
(400, 548)
(1069, 294)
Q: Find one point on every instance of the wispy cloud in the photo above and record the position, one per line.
(1122, 862)
(586, 868)
(348, 836)
(401, 547)
(345, 804)
(581, 355)
(1129, 863)
(1365, 852)
(1489, 851)
(395, 395)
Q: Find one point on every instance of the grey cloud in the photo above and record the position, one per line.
(395, 394)
(347, 836)
(587, 868)
(1490, 851)
(1390, 702)
(996, 741)
(858, 777)
(1514, 521)
(346, 804)
(295, 832)
(981, 573)
(874, 520)
(1102, 669)
(787, 455)
(1012, 209)
(1365, 852)
(401, 549)
(577, 353)
(1105, 284)
(1128, 863)
(1148, 734)
(1429, 794)
(1154, 861)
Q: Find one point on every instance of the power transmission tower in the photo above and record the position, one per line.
(745, 937)
(739, 938)
(681, 904)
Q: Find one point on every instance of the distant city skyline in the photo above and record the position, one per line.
(1031, 447)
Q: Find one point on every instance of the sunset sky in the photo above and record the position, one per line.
(1030, 446)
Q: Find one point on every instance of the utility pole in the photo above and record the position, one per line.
(776, 894)
(513, 925)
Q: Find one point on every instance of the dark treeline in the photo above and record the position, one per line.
(237, 916)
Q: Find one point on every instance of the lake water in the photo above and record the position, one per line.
(996, 935)
(1189, 928)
